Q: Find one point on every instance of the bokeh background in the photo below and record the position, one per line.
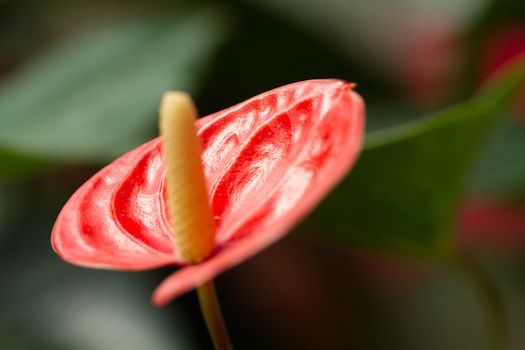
(80, 82)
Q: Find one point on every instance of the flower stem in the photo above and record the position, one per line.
(211, 311)
(492, 302)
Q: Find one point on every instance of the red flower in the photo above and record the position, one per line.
(493, 225)
(268, 161)
(505, 44)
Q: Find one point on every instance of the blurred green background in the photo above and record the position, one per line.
(421, 247)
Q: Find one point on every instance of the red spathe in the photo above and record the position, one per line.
(268, 161)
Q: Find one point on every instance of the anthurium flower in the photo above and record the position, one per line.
(267, 162)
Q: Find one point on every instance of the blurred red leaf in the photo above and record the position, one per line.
(493, 225)
(504, 44)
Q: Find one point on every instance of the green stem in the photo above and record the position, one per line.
(492, 302)
(211, 311)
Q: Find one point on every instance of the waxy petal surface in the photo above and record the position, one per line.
(268, 161)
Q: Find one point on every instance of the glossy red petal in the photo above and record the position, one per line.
(267, 161)
(112, 221)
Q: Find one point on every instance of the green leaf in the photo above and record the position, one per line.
(405, 190)
(95, 96)
(500, 169)
(14, 164)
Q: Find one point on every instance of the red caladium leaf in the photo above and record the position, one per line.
(268, 161)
